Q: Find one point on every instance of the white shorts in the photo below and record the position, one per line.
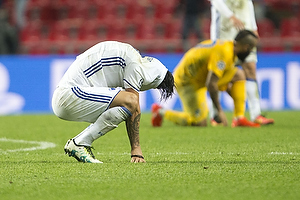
(82, 103)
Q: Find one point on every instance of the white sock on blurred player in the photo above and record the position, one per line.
(108, 121)
(253, 99)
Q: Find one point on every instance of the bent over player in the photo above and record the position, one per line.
(91, 91)
(210, 66)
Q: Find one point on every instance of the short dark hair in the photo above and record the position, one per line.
(243, 37)
(167, 86)
(243, 33)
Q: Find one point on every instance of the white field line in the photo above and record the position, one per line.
(203, 153)
(284, 153)
(39, 145)
(158, 153)
(174, 153)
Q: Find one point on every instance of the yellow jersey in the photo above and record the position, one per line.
(216, 56)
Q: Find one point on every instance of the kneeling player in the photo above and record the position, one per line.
(210, 66)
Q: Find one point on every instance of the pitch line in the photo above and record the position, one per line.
(40, 145)
(203, 153)
(283, 153)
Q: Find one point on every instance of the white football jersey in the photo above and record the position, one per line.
(114, 64)
(221, 10)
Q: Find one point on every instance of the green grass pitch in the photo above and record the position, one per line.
(182, 162)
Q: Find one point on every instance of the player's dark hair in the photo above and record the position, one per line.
(246, 37)
(167, 86)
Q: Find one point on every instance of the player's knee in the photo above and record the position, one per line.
(250, 70)
(199, 120)
(131, 102)
(200, 123)
(239, 75)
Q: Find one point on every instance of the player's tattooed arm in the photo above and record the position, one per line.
(133, 130)
(133, 127)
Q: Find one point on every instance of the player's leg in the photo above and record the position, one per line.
(130, 100)
(238, 93)
(120, 108)
(183, 118)
(194, 106)
(178, 117)
(106, 122)
(197, 25)
(215, 24)
(90, 104)
(186, 28)
(200, 112)
(80, 146)
(252, 90)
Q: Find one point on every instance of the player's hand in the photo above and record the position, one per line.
(223, 118)
(137, 159)
(237, 23)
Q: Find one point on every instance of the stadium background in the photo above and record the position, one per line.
(56, 30)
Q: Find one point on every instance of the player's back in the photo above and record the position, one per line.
(204, 56)
(208, 50)
(101, 65)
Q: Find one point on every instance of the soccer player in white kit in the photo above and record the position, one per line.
(102, 87)
(227, 18)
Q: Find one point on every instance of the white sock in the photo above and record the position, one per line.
(162, 111)
(253, 99)
(106, 122)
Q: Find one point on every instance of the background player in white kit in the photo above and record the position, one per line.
(227, 18)
(91, 91)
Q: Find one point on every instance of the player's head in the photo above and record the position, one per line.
(167, 86)
(244, 42)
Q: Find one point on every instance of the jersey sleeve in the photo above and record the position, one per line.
(133, 77)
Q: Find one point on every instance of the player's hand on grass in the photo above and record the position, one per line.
(137, 159)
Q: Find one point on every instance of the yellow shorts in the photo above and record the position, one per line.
(193, 102)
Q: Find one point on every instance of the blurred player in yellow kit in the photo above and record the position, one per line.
(209, 66)
(227, 18)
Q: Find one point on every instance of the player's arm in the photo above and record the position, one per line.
(212, 87)
(226, 12)
(133, 130)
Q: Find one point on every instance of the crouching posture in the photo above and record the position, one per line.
(209, 66)
(102, 87)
